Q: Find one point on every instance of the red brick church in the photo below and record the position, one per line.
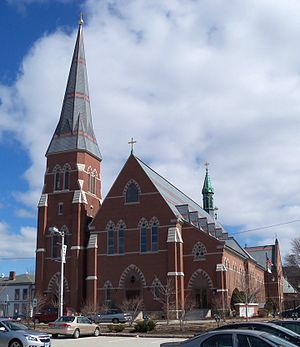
(144, 235)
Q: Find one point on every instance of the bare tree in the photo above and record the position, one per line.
(134, 306)
(88, 308)
(189, 305)
(293, 259)
(166, 294)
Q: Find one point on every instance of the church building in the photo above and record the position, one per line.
(145, 235)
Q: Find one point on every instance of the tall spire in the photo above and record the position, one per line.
(74, 131)
(208, 194)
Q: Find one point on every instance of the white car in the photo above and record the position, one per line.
(15, 334)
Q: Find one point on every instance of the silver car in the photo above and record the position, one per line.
(15, 334)
(232, 338)
(113, 316)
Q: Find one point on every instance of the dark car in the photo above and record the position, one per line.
(291, 313)
(50, 314)
(232, 338)
(293, 325)
(114, 316)
(15, 334)
(271, 328)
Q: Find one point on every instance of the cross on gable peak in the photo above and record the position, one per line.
(132, 142)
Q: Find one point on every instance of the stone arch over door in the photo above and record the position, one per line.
(132, 281)
(200, 285)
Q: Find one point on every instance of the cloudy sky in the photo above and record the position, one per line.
(191, 81)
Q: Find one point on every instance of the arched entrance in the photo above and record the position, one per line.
(200, 285)
(132, 281)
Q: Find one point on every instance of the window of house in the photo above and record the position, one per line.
(57, 180)
(60, 208)
(16, 308)
(17, 294)
(143, 238)
(25, 294)
(154, 237)
(94, 183)
(156, 289)
(121, 239)
(25, 309)
(66, 178)
(108, 288)
(111, 243)
(132, 193)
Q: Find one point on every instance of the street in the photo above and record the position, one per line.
(106, 341)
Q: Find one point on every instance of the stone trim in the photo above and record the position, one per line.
(175, 273)
(40, 250)
(43, 200)
(91, 278)
(174, 235)
(77, 248)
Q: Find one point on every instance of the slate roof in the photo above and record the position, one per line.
(288, 288)
(75, 129)
(261, 253)
(19, 280)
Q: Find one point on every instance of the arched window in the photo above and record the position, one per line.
(111, 239)
(57, 183)
(55, 246)
(143, 237)
(89, 179)
(121, 239)
(108, 288)
(156, 285)
(94, 182)
(66, 176)
(154, 237)
(131, 192)
(199, 251)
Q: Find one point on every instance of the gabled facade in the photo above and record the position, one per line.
(72, 190)
(150, 233)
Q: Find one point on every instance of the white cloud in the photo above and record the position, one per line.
(17, 245)
(191, 81)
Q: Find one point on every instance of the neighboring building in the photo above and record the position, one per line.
(146, 234)
(290, 295)
(269, 258)
(16, 294)
(292, 274)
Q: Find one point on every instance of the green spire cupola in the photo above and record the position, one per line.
(208, 194)
(74, 131)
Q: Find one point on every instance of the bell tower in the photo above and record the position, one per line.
(71, 194)
(208, 194)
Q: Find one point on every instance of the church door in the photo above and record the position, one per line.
(201, 298)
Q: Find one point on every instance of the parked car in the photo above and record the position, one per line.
(114, 316)
(271, 328)
(232, 338)
(49, 314)
(293, 325)
(15, 334)
(291, 313)
(73, 326)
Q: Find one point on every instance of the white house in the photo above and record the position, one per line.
(16, 294)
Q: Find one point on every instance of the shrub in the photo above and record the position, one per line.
(144, 326)
(117, 328)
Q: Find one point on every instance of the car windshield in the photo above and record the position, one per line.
(14, 325)
(277, 340)
(65, 319)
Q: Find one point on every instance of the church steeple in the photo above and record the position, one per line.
(208, 194)
(74, 131)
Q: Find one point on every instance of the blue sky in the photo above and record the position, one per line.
(191, 81)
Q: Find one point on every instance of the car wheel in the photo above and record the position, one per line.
(115, 320)
(76, 334)
(36, 321)
(16, 343)
(97, 332)
(55, 336)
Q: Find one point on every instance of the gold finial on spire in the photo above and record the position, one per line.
(81, 18)
(131, 142)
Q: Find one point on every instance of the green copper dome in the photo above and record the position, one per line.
(207, 186)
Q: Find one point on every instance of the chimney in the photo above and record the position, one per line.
(12, 275)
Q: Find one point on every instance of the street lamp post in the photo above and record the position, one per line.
(56, 231)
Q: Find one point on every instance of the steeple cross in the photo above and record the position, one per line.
(206, 165)
(131, 142)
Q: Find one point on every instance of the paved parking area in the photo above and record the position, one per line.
(110, 341)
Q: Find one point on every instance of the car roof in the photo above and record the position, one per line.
(266, 324)
(285, 320)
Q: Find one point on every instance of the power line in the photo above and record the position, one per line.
(16, 258)
(266, 227)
